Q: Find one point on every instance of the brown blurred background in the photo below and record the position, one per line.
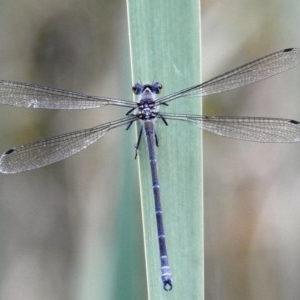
(252, 191)
(72, 230)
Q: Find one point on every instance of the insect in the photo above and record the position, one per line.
(146, 110)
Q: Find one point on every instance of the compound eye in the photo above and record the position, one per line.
(136, 89)
(158, 87)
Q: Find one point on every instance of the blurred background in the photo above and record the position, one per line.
(251, 190)
(73, 230)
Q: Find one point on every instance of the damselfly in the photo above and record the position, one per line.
(146, 109)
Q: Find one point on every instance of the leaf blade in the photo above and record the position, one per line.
(165, 47)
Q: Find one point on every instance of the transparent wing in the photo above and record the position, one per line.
(37, 96)
(256, 129)
(48, 151)
(254, 71)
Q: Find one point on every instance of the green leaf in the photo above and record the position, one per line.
(165, 47)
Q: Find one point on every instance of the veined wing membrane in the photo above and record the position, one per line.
(53, 149)
(38, 96)
(254, 71)
(255, 129)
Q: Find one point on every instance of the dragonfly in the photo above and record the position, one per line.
(146, 110)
